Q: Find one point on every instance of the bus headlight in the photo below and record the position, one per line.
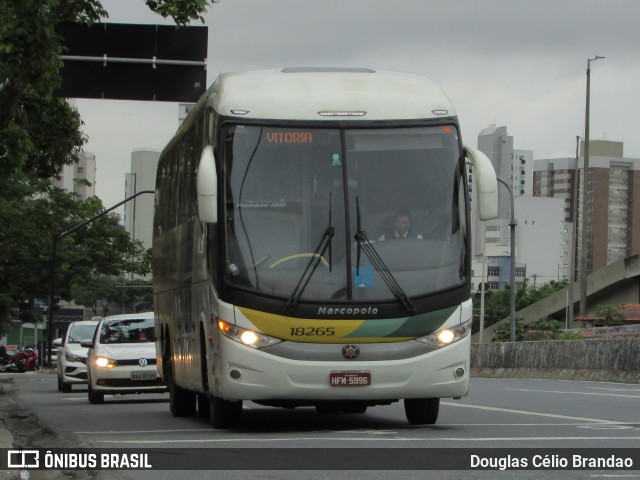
(447, 336)
(246, 337)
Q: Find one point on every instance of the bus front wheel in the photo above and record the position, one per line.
(422, 411)
(225, 413)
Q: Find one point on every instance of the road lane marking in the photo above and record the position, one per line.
(613, 425)
(601, 426)
(575, 393)
(616, 389)
(526, 412)
(362, 439)
(130, 432)
(612, 475)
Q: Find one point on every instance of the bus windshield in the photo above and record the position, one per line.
(392, 200)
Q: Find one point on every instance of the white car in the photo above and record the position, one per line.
(122, 357)
(72, 357)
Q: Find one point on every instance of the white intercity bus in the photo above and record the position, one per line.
(278, 277)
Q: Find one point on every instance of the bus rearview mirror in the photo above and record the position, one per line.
(207, 183)
(486, 183)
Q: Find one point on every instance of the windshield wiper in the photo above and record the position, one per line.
(363, 244)
(312, 265)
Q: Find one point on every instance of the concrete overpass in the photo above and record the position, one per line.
(614, 284)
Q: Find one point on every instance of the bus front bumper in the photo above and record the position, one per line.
(250, 374)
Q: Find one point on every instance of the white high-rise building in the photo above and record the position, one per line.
(85, 169)
(515, 168)
(541, 238)
(138, 213)
(540, 235)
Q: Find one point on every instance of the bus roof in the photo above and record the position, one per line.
(329, 94)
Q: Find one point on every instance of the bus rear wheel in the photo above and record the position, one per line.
(204, 409)
(422, 411)
(182, 402)
(225, 413)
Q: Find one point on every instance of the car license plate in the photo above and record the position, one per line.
(143, 375)
(350, 379)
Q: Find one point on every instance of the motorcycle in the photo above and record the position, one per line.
(8, 366)
(25, 359)
(7, 361)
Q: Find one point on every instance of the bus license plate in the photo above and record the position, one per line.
(143, 375)
(350, 379)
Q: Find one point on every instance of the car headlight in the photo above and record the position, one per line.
(447, 336)
(246, 337)
(70, 357)
(104, 362)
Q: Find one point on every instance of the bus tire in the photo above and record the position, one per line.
(182, 402)
(422, 411)
(225, 413)
(204, 410)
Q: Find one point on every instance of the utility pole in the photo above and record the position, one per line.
(512, 274)
(585, 196)
(574, 239)
(484, 289)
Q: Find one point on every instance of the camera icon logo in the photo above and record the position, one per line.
(23, 459)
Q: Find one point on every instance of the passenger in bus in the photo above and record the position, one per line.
(401, 228)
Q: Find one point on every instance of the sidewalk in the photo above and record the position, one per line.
(8, 410)
(6, 438)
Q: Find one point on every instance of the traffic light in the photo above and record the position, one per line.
(55, 304)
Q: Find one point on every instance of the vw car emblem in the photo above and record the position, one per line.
(142, 362)
(350, 351)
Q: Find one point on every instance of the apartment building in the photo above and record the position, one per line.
(138, 213)
(511, 165)
(613, 199)
(85, 170)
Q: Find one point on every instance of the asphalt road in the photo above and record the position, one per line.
(498, 414)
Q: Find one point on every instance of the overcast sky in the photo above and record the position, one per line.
(519, 63)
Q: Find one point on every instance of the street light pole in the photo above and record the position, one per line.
(512, 225)
(52, 280)
(484, 289)
(585, 195)
(574, 239)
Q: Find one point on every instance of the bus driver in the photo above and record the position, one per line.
(401, 227)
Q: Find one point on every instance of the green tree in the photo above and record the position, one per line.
(98, 293)
(609, 315)
(38, 132)
(542, 329)
(32, 211)
(498, 302)
(94, 293)
(502, 331)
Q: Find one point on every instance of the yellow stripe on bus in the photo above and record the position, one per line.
(312, 330)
